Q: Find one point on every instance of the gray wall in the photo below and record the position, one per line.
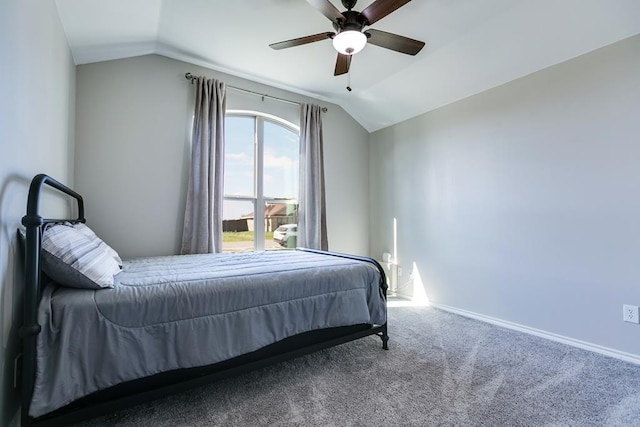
(132, 152)
(521, 203)
(36, 136)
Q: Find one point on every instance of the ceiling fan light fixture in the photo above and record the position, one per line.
(349, 42)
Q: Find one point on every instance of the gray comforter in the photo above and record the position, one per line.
(167, 313)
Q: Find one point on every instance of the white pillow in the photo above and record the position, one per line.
(72, 259)
(84, 229)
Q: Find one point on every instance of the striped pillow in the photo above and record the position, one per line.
(72, 259)
(84, 229)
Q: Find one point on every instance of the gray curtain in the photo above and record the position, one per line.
(202, 231)
(312, 211)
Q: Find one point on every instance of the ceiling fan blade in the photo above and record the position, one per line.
(381, 8)
(342, 64)
(394, 42)
(301, 40)
(327, 9)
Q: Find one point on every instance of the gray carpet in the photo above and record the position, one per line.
(441, 370)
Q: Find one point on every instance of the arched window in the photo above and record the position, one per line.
(261, 169)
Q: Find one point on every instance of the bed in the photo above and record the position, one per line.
(163, 324)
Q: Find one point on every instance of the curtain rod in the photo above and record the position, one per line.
(191, 77)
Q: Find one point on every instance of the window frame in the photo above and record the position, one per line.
(259, 200)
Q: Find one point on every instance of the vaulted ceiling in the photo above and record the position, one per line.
(471, 45)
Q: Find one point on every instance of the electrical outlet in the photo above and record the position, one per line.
(630, 313)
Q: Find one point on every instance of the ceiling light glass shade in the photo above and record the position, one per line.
(349, 42)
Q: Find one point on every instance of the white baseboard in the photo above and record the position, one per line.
(627, 357)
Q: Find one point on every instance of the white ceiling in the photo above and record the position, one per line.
(471, 45)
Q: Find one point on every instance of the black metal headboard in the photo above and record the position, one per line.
(33, 222)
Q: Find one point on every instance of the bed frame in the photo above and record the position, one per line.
(146, 389)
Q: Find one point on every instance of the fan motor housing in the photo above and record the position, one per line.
(353, 21)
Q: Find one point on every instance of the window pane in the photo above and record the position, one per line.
(281, 154)
(239, 158)
(280, 224)
(237, 226)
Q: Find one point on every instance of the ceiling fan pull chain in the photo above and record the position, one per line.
(349, 81)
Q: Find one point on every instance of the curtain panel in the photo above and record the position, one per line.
(312, 214)
(202, 232)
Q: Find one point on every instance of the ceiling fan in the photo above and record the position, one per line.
(349, 37)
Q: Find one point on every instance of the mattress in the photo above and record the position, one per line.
(167, 313)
